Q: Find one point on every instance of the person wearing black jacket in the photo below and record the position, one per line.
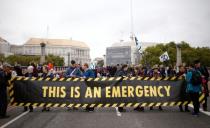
(123, 72)
(205, 75)
(5, 76)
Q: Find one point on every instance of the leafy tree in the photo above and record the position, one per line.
(189, 54)
(26, 60)
(56, 60)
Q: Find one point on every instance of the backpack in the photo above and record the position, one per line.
(196, 78)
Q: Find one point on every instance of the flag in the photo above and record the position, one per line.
(164, 57)
(138, 45)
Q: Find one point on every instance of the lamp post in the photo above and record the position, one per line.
(42, 58)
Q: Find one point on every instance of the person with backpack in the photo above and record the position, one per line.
(194, 80)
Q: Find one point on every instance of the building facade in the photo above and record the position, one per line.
(4, 46)
(118, 55)
(68, 49)
(125, 52)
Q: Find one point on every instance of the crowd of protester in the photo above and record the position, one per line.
(76, 70)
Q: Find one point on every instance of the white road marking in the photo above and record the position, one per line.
(117, 112)
(201, 110)
(13, 120)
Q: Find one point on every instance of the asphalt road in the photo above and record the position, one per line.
(170, 117)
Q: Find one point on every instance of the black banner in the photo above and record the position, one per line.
(99, 92)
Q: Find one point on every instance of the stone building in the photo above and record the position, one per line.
(68, 49)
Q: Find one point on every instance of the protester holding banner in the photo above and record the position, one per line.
(182, 72)
(138, 72)
(73, 70)
(45, 74)
(193, 79)
(156, 74)
(205, 77)
(5, 76)
(88, 73)
(31, 72)
(123, 72)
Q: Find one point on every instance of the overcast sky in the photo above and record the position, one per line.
(100, 23)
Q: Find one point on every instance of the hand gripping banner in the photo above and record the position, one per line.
(99, 92)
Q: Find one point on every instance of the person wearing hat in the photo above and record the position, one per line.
(5, 76)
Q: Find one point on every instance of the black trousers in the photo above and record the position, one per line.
(194, 96)
(3, 103)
